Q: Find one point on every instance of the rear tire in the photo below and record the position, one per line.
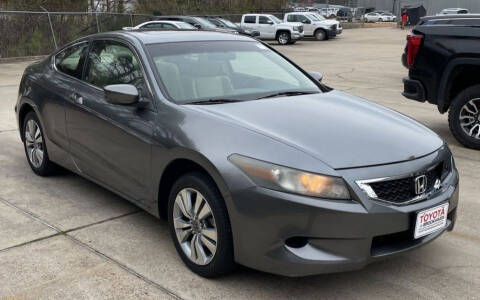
(283, 38)
(464, 117)
(197, 226)
(35, 147)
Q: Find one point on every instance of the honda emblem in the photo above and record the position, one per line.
(420, 184)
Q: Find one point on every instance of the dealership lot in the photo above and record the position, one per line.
(63, 236)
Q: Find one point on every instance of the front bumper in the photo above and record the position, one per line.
(296, 35)
(294, 235)
(339, 30)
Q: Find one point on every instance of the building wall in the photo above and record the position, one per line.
(432, 6)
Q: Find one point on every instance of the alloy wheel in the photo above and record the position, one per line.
(195, 226)
(470, 118)
(34, 143)
(283, 38)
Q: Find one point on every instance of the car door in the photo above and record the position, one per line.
(61, 82)
(266, 27)
(112, 143)
(250, 22)
(308, 26)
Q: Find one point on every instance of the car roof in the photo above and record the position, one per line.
(159, 36)
(443, 17)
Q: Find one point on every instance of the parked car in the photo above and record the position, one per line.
(330, 13)
(453, 11)
(313, 26)
(223, 23)
(447, 79)
(251, 159)
(388, 17)
(373, 17)
(162, 24)
(198, 22)
(272, 28)
(345, 14)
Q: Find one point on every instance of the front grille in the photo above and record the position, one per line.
(403, 190)
(300, 29)
(334, 27)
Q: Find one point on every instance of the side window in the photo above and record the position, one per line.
(153, 25)
(70, 61)
(303, 19)
(292, 18)
(249, 19)
(168, 26)
(111, 62)
(264, 20)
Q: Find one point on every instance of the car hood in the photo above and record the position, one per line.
(341, 130)
(329, 22)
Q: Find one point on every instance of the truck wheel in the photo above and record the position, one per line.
(320, 35)
(283, 38)
(464, 117)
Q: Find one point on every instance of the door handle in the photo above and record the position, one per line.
(77, 98)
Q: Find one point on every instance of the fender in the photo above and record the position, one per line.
(159, 166)
(21, 105)
(445, 83)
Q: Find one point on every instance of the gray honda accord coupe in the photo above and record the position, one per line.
(251, 159)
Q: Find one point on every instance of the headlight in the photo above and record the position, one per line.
(281, 178)
(296, 28)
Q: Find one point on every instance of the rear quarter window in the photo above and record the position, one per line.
(70, 60)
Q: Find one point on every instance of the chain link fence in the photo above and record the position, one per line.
(27, 33)
(32, 33)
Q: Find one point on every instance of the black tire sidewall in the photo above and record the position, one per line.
(454, 117)
(223, 261)
(44, 169)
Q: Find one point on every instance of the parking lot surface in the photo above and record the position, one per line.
(65, 237)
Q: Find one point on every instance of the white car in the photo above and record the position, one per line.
(453, 11)
(272, 28)
(373, 17)
(388, 17)
(162, 24)
(315, 25)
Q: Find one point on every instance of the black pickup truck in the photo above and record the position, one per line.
(443, 58)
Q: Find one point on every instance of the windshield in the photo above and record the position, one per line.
(275, 19)
(183, 25)
(228, 23)
(198, 71)
(319, 17)
(205, 23)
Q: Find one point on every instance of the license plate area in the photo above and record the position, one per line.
(431, 220)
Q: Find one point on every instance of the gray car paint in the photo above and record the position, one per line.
(127, 149)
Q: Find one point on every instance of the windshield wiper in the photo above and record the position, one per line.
(288, 93)
(214, 101)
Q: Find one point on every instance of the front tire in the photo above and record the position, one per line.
(464, 117)
(320, 35)
(200, 227)
(283, 38)
(35, 148)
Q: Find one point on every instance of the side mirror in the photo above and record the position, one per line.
(198, 26)
(270, 22)
(316, 75)
(306, 22)
(123, 94)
